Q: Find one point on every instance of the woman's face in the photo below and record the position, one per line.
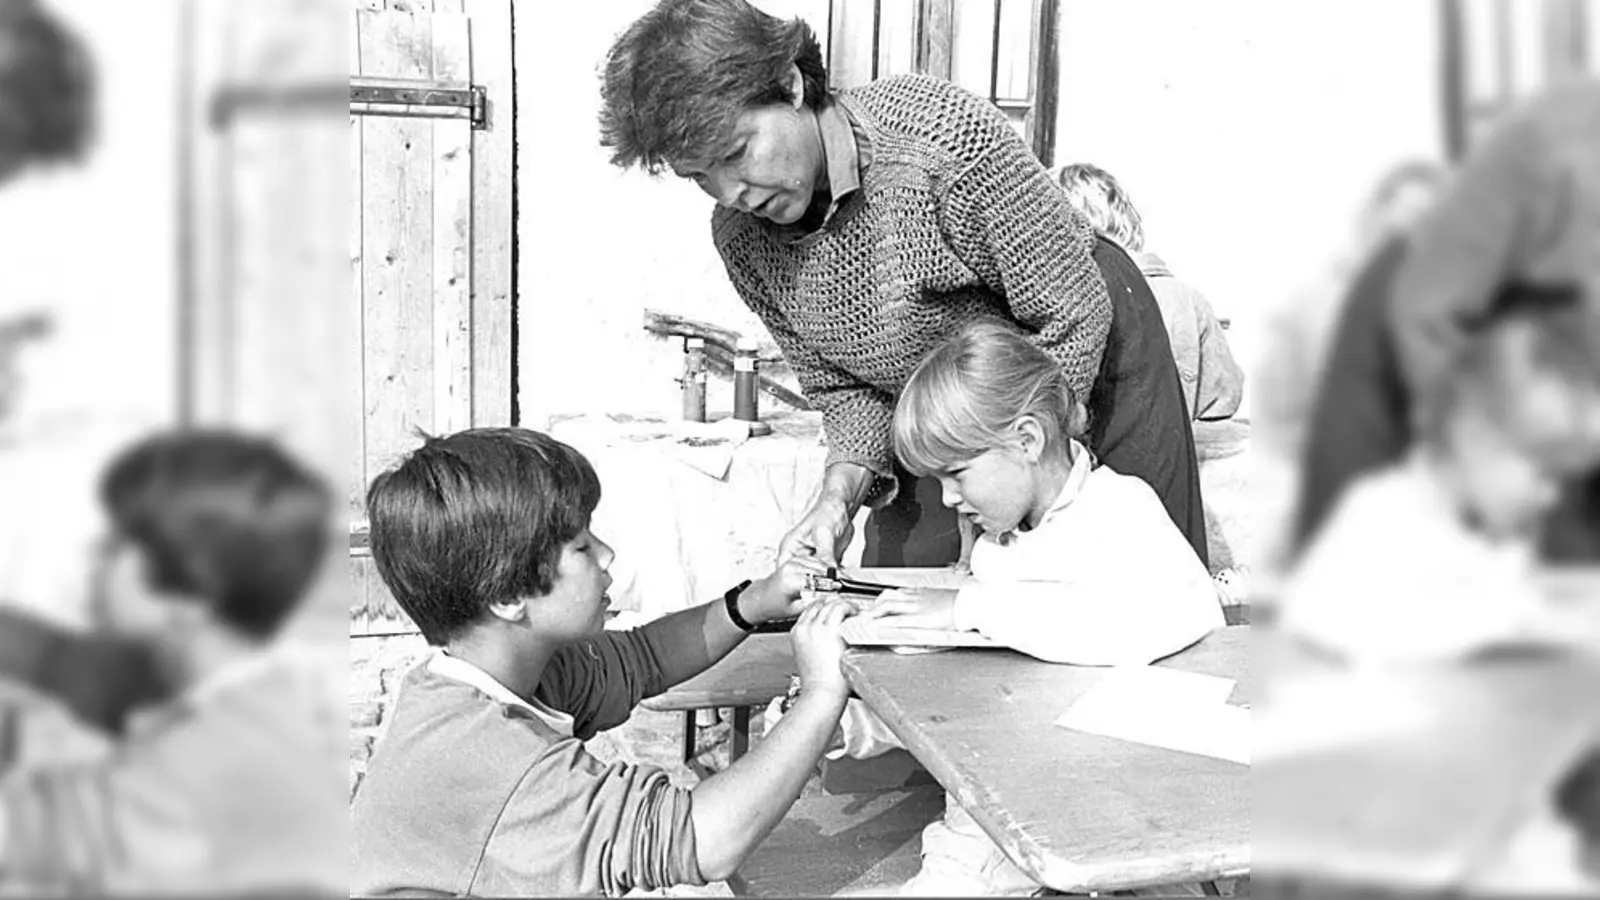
(772, 167)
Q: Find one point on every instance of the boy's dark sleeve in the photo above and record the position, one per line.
(100, 679)
(599, 681)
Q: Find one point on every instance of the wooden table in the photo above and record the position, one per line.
(752, 674)
(1076, 811)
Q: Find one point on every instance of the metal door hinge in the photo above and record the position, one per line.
(422, 99)
(367, 97)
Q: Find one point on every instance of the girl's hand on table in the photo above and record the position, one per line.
(915, 608)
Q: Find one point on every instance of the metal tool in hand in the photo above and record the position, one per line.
(831, 583)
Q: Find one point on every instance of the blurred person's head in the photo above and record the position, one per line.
(212, 536)
(1104, 201)
(1518, 416)
(1403, 194)
(484, 535)
(993, 418)
(46, 89)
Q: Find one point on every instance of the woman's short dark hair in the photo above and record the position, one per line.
(475, 518)
(674, 82)
(223, 519)
(46, 87)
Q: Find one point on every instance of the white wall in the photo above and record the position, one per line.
(598, 245)
(96, 244)
(1248, 132)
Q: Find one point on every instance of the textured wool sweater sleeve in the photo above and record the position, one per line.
(1509, 206)
(856, 416)
(1013, 227)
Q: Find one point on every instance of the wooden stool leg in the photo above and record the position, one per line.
(688, 735)
(741, 733)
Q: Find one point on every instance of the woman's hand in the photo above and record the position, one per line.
(823, 533)
(915, 608)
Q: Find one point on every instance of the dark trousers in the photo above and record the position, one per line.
(1138, 425)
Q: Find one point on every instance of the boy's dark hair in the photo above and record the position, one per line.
(47, 87)
(475, 518)
(223, 519)
(675, 81)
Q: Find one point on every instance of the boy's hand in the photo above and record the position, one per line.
(819, 647)
(916, 608)
(777, 596)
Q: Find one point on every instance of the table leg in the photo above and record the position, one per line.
(1210, 889)
(688, 735)
(741, 733)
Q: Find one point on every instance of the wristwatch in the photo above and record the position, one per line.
(731, 601)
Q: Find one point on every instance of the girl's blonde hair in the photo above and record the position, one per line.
(964, 396)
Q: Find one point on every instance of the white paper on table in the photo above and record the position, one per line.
(1159, 707)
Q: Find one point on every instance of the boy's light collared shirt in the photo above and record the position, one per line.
(1104, 579)
(449, 666)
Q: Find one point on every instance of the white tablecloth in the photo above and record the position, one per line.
(682, 536)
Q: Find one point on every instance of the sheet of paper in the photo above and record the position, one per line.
(1160, 707)
(876, 633)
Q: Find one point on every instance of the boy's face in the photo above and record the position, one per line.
(577, 600)
(122, 601)
(1512, 473)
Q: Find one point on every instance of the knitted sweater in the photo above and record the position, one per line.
(955, 220)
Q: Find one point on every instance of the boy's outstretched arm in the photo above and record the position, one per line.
(100, 679)
(734, 810)
(694, 638)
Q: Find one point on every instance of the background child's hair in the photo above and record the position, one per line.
(474, 518)
(1104, 202)
(962, 398)
(1537, 335)
(223, 519)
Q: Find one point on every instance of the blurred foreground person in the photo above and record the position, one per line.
(1434, 558)
(235, 784)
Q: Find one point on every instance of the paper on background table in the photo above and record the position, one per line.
(1168, 708)
(876, 633)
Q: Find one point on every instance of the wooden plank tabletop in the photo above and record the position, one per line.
(1079, 812)
(752, 674)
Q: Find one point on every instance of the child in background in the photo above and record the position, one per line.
(482, 784)
(1213, 384)
(1075, 563)
(1433, 559)
(235, 784)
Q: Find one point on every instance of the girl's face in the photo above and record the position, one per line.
(773, 164)
(1002, 488)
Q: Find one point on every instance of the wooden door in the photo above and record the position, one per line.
(430, 248)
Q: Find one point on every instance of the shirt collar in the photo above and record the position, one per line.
(460, 670)
(1152, 265)
(244, 669)
(1083, 463)
(846, 153)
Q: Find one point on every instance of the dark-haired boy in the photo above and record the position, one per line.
(235, 784)
(482, 784)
